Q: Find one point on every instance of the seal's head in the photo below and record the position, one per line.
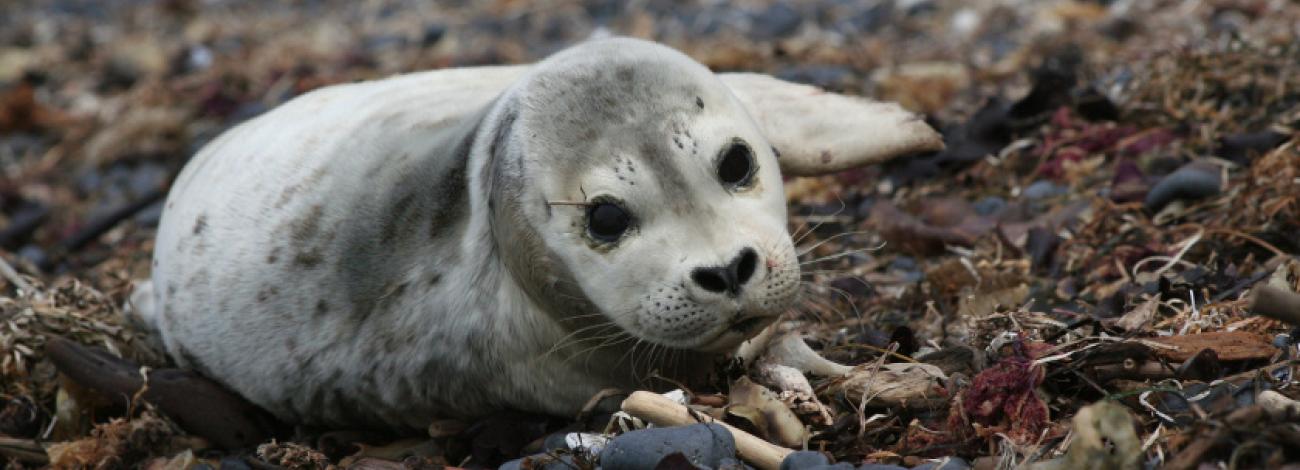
(635, 187)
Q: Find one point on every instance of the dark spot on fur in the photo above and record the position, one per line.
(308, 258)
(322, 307)
(286, 196)
(625, 74)
(171, 289)
(435, 279)
(273, 256)
(291, 344)
(302, 230)
(399, 216)
(776, 152)
(200, 223)
(266, 293)
(699, 102)
(289, 192)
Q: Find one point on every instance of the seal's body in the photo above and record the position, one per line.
(448, 243)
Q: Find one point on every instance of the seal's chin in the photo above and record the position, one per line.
(735, 333)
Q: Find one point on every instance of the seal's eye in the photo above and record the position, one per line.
(736, 168)
(607, 221)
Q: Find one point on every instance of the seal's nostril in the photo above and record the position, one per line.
(711, 279)
(744, 265)
(729, 279)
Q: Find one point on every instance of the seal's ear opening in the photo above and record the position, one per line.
(818, 132)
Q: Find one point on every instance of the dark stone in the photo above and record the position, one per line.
(991, 205)
(433, 32)
(832, 77)
(804, 459)
(1095, 106)
(701, 444)
(733, 464)
(555, 442)
(778, 20)
(1241, 148)
(234, 463)
(1041, 244)
(871, 19)
(1192, 181)
(1042, 189)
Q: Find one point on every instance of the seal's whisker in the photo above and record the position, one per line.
(806, 250)
(819, 224)
(848, 298)
(568, 203)
(564, 342)
(841, 255)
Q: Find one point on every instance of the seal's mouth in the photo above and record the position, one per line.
(737, 332)
(748, 325)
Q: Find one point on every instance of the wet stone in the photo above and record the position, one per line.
(803, 460)
(989, 206)
(831, 77)
(702, 444)
(778, 20)
(1043, 189)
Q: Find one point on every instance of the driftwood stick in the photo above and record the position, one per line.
(664, 412)
(1276, 303)
(24, 450)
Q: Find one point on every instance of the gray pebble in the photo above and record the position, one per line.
(1042, 189)
(776, 21)
(1191, 181)
(702, 444)
(733, 464)
(804, 459)
(989, 206)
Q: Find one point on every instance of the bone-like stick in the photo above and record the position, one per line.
(1276, 303)
(663, 412)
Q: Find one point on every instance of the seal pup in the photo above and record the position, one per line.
(454, 242)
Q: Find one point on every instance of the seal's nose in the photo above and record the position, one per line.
(729, 279)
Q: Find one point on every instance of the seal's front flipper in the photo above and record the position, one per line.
(199, 405)
(818, 132)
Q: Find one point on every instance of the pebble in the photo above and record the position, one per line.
(831, 77)
(804, 459)
(990, 205)
(778, 20)
(555, 442)
(433, 32)
(733, 464)
(234, 463)
(1192, 181)
(878, 466)
(871, 19)
(702, 444)
(1042, 189)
